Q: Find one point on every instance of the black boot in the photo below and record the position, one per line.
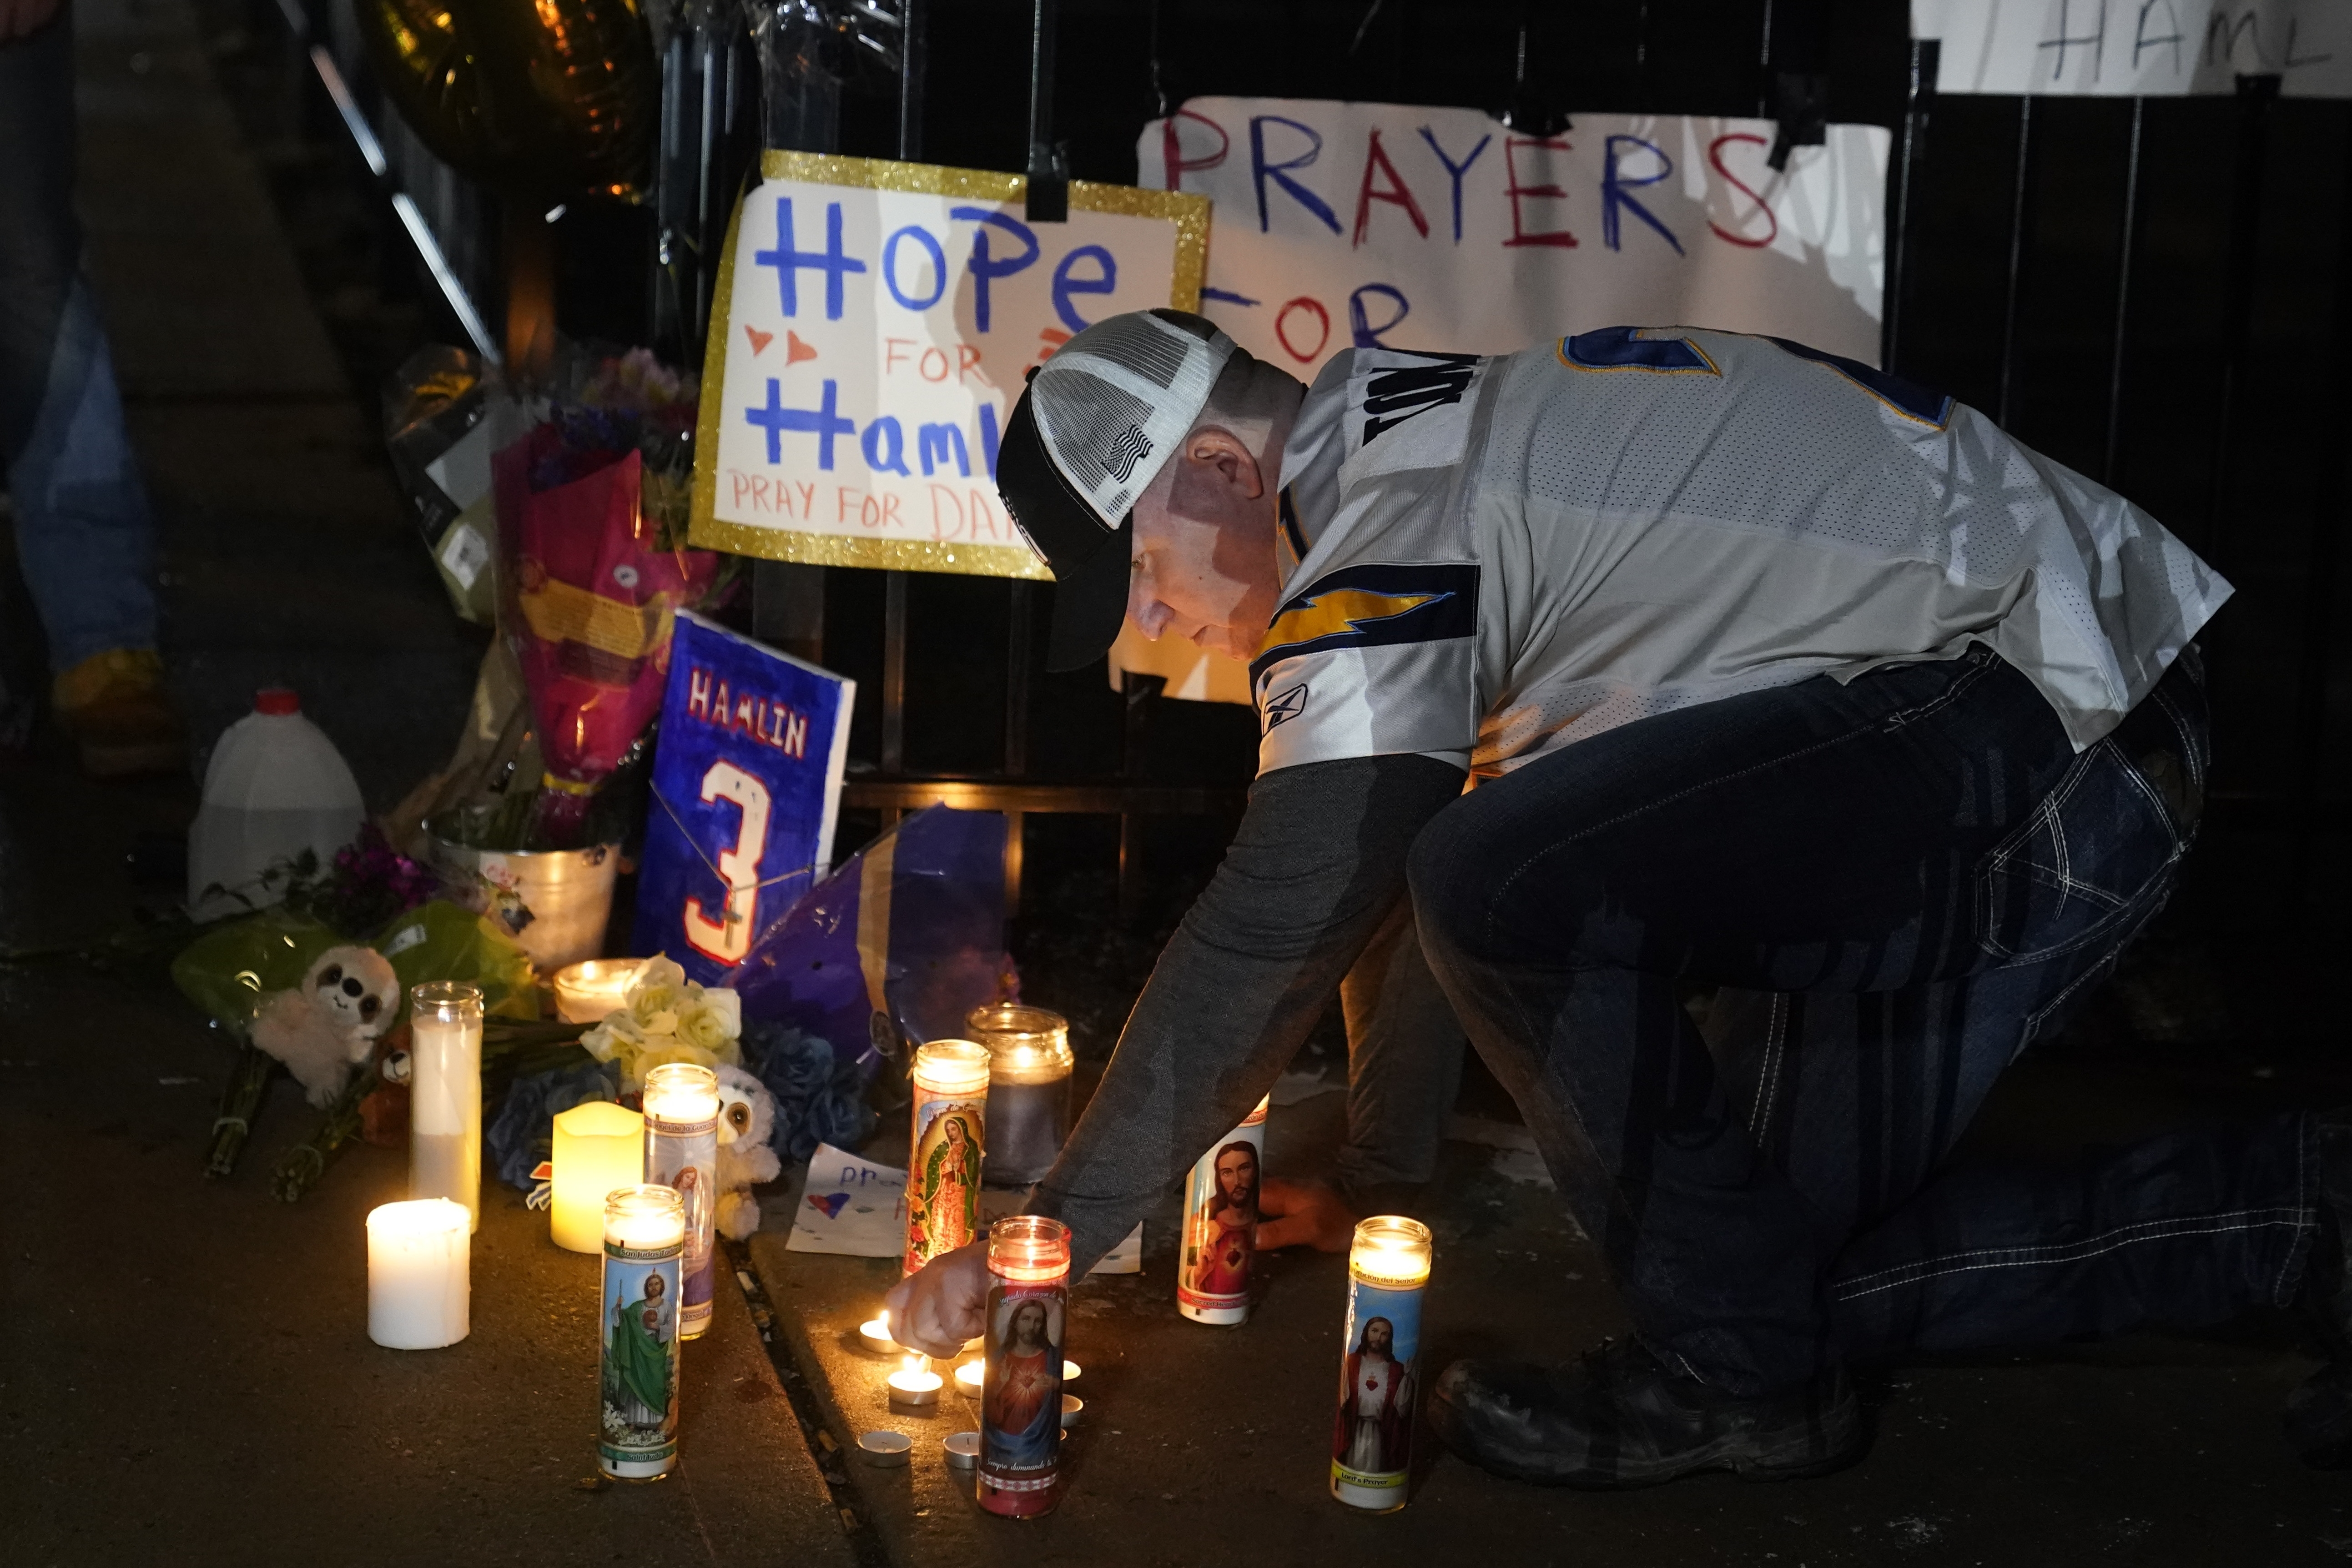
(1620, 1418)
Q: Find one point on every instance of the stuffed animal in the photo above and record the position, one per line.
(747, 1120)
(328, 1024)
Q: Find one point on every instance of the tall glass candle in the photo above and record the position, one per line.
(1212, 1269)
(1021, 1384)
(1372, 1444)
(1028, 1089)
(445, 1087)
(682, 1152)
(943, 1163)
(586, 991)
(645, 1240)
(598, 1146)
(419, 1288)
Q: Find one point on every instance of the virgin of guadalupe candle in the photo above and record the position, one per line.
(1028, 1089)
(1372, 1439)
(943, 1164)
(1021, 1383)
(682, 1152)
(1212, 1270)
(445, 1086)
(644, 1239)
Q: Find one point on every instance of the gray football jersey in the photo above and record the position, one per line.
(1502, 556)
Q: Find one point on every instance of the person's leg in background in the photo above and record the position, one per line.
(1405, 1069)
(85, 536)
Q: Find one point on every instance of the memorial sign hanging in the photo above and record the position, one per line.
(874, 321)
(2137, 49)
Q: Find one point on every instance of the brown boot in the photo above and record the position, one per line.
(113, 706)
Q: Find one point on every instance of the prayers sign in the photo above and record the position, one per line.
(875, 324)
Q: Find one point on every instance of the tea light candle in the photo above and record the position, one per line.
(1028, 1089)
(874, 1334)
(444, 1088)
(1371, 1452)
(1072, 1408)
(883, 1450)
(916, 1389)
(586, 992)
(598, 1146)
(963, 1448)
(419, 1284)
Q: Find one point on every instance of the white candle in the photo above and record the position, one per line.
(916, 1390)
(963, 1449)
(1072, 1408)
(445, 1085)
(873, 1334)
(884, 1448)
(598, 1146)
(419, 1283)
(586, 992)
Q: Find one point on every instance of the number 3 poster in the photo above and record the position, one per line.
(746, 785)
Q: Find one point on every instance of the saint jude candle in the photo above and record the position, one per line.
(645, 1240)
(682, 1152)
(943, 1172)
(1371, 1444)
(1021, 1382)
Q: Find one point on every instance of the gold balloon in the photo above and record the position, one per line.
(545, 99)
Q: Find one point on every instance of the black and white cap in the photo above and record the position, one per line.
(1095, 425)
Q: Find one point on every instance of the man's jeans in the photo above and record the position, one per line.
(84, 535)
(1899, 884)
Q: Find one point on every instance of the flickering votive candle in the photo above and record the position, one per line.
(645, 1244)
(419, 1280)
(874, 1336)
(586, 992)
(1212, 1269)
(943, 1170)
(445, 1086)
(1028, 1089)
(1021, 1387)
(1371, 1450)
(915, 1387)
(682, 1152)
(598, 1146)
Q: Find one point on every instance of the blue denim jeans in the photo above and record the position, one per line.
(1897, 884)
(85, 537)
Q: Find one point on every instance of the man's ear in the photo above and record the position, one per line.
(1211, 446)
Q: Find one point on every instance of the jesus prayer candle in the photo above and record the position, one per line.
(1371, 1444)
(944, 1158)
(1021, 1378)
(682, 1152)
(1028, 1089)
(418, 1283)
(644, 1239)
(445, 1085)
(1212, 1270)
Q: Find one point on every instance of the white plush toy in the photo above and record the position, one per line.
(747, 1118)
(328, 1024)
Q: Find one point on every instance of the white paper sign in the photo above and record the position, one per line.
(876, 322)
(850, 1206)
(1442, 228)
(2148, 48)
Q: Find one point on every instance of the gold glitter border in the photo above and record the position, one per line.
(1189, 212)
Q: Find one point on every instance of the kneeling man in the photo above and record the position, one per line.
(1766, 670)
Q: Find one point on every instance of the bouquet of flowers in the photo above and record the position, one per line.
(592, 510)
(667, 1017)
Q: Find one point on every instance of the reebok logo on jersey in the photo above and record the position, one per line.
(1392, 397)
(1281, 708)
(1374, 606)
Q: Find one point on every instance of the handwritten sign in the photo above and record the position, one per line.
(2143, 48)
(873, 326)
(1442, 228)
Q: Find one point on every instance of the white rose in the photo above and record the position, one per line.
(618, 1034)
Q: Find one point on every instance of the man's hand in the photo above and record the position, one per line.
(1295, 1213)
(943, 1305)
(23, 18)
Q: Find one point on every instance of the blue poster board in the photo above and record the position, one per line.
(746, 787)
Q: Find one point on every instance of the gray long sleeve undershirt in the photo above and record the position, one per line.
(1319, 860)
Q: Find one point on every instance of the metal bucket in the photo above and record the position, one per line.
(555, 903)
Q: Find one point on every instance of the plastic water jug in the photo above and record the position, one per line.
(275, 785)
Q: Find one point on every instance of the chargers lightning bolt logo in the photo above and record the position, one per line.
(1373, 606)
(1342, 609)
